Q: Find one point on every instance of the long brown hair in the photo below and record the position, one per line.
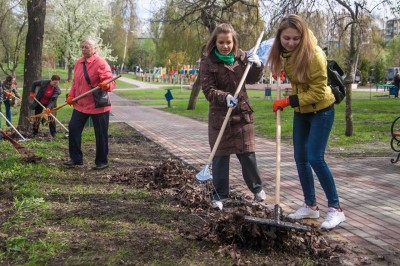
(301, 57)
(224, 28)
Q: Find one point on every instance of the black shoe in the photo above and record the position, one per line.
(100, 167)
(71, 163)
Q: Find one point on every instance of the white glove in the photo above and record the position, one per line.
(253, 58)
(231, 102)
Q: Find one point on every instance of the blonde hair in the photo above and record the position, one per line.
(301, 57)
(224, 28)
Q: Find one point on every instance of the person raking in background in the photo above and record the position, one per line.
(296, 51)
(10, 90)
(222, 67)
(89, 71)
(47, 95)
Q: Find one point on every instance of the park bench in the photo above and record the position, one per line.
(395, 141)
(382, 86)
(392, 90)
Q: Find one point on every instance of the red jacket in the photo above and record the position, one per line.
(98, 71)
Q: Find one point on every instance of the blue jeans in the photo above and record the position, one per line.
(310, 137)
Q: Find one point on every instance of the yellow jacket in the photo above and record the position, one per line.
(316, 94)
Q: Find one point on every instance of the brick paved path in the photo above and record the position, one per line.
(369, 188)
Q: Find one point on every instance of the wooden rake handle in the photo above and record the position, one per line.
(84, 94)
(228, 114)
(278, 145)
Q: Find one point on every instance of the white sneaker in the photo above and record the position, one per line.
(260, 196)
(304, 212)
(333, 218)
(217, 204)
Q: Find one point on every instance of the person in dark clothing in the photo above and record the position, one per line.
(47, 95)
(90, 71)
(396, 82)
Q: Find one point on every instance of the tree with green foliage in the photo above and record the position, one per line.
(393, 52)
(364, 71)
(143, 54)
(70, 22)
(13, 22)
(121, 33)
(199, 18)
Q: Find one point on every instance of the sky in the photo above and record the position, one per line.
(143, 11)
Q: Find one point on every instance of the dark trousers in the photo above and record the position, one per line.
(100, 125)
(51, 120)
(220, 172)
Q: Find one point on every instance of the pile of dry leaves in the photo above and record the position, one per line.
(228, 226)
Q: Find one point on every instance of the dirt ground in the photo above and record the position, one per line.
(148, 209)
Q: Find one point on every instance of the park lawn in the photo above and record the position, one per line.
(373, 113)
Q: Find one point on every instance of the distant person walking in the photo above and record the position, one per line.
(221, 70)
(396, 82)
(296, 51)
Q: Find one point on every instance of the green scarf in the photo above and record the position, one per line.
(228, 59)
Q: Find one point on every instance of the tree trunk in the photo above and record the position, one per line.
(194, 94)
(349, 79)
(33, 56)
(70, 69)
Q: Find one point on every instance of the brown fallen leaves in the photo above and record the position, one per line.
(228, 227)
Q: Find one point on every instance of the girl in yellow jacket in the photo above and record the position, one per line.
(296, 51)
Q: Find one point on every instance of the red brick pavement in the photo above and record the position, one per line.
(369, 188)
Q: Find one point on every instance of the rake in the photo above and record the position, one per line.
(276, 222)
(9, 122)
(30, 156)
(83, 94)
(204, 175)
(50, 114)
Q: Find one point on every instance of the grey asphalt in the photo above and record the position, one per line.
(369, 188)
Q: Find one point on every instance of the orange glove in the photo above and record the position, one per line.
(69, 100)
(280, 104)
(281, 75)
(8, 94)
(104, 86)
(32, 95)
(48, 110)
